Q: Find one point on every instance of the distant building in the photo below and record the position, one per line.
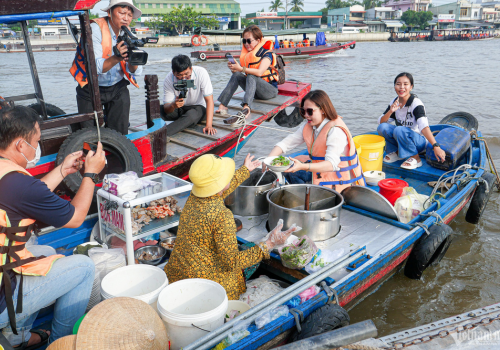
(405, 5)
(226, 11)
(491, 13)
(276, 20)
(466, 14)
(347, 16)
(375, 17)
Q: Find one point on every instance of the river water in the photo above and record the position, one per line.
(449, 77)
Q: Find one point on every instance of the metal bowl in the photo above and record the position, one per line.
(152, 249)
(167, 240)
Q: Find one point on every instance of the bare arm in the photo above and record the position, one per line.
(71, 164)
(53, 179)
(210, 115)
(321, 167)
(440, 153)
(394, 108)
(264, 65)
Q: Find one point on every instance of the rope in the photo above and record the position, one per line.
(490, 158)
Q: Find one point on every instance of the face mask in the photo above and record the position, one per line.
(38, 154)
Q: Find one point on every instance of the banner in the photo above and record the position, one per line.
(447, 18)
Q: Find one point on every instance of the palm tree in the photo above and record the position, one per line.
(275, 5)
(335, 4)
(296, 5)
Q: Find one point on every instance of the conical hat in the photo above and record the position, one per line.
(65, 343)
(122, 324)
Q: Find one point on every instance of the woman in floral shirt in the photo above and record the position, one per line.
(206, 245)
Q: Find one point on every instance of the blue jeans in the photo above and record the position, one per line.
(299, 177)
(69, 283)
(401, 139)
(255, 87)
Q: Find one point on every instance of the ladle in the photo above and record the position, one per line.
(264, 173)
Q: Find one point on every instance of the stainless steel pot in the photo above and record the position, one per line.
(249, 200)
(320, 222)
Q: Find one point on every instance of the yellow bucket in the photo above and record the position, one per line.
(372, 151)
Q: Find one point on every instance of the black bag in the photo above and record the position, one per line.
(280, 67)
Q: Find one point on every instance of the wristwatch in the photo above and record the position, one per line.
(436, 145)
(93, 176)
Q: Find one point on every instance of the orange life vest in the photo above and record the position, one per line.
(299, 44)
(292, 44)
(77, 70)
(13, 253)
(252, 59)
(306, 43)
(286, 44)
(349, 167)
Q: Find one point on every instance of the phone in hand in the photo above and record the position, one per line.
(230, 58)
(88, 146)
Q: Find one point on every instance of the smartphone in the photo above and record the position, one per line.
(230, 58)
(88, 146)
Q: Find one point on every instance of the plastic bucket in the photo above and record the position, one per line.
(392, 189)
(372, 151)
(236, 305)
(191, 308)
(143, 282)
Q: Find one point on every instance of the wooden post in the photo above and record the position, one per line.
(152, 101)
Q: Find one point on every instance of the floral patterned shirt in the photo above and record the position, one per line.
(206, 245)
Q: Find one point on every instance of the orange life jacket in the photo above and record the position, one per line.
(13, 253)
(292, 44)
(299, 44)
(306, 43)
(349, 172)
(286, 44)
(77, 70)
(253, 59)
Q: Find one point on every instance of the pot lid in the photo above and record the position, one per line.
(367, 199)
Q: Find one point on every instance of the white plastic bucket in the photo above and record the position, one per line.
(143, 282)
(191, 308)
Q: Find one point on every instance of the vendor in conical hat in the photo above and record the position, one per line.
(206, 245)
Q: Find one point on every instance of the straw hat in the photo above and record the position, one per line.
(122, 324)
(65, 343)
(210, 174)
(129, 3)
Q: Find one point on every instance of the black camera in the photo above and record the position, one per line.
(182, 86)
(136, 57)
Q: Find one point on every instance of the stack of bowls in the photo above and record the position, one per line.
(95, 295)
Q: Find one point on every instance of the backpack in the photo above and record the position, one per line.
(280, 67)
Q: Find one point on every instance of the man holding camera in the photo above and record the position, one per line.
(114, 71)
(187, 96)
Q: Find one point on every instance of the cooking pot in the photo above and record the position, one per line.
(320, 222)
(250, 200)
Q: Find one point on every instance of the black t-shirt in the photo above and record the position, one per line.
(25, 197)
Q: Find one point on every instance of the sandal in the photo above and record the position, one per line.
(236, 120)
(413, 164)
(222, 112)
(392, 157)
(44, 338)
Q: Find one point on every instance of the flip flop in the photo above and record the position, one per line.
(413, 164)
(393, 157)
(222, 112)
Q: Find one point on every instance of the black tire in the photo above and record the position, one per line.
(289, 120)
(298, 52)
(51, 110)
(57, 48)
(8, 50)
(42, 48)
(203, 57)
(463, 120)
(325, 319)
(123, 155)
(352, 46)
(480, 199)
(429, 250)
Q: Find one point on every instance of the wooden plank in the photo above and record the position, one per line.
(222, 127)
(200, 134)
(240, 108)
(179, 142)
(269, 102)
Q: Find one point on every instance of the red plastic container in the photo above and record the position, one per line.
(392, 189)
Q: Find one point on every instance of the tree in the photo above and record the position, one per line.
(246, 22)
(335, 4)
(93, 15)
(296, 5)
(417, 19)
(183, 18)
(276, 5)
(155, 23)
(368, 4)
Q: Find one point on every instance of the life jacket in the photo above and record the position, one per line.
(77, 70)
(349, 172)
(299, 44)
(286, 44)
(253, 58)
(306, 43)
(292, 44)
(13, 254)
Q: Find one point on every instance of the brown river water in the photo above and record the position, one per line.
(449, 77)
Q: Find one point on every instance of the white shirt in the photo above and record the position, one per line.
(336, 142)
(411, 115)
(115, 74)
(195, 96)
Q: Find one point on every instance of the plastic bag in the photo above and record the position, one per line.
(293, 303)
(298, 254)
(322, 258)
(32, 241)
(278, 237)
(106, 260)
(232, 338)
(271, 315)
(409, 205)
(259, 290)
(309, 293)
(122, 184)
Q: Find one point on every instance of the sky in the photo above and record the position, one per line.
(249, 6)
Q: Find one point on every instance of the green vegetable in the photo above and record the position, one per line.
(280, 161)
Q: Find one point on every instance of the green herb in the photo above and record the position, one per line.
(280, 161)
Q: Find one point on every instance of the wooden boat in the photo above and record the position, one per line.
(19, 47)
(455, 34)
(294, 52)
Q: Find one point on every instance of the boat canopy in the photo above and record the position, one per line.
(265, 32)
(40, 15)
(320, 39)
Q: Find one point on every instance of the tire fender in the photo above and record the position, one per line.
(352, 46)
(8, 50)
(428, 250)
(480, 198)
(51, 110)
(42, 48)
(203, 57)
(325, 319)
(288, 120)
(298, 52)
(57, 48)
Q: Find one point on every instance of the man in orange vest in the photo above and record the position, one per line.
(114, 72)
(25, 200)
(286, 44)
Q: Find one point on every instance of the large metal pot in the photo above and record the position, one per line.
(320, 222)
(250, 200)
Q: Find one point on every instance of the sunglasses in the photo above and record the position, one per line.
(247, 41)
(307, 111)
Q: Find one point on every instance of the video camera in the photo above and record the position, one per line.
(136, 57)
(182, 86)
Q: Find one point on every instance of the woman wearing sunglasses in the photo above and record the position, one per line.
(256, 74)
(332, 159)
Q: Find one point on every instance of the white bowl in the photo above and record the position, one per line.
(372, 177)
(278, 169)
